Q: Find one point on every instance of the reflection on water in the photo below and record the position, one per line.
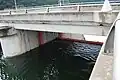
(56, 60)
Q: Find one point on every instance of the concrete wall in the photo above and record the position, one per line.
(63, 16)
(20, 43)
(45, 37)
(109, 45)
(97, 7)
(71, 36)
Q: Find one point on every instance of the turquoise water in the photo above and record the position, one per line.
(56, 60)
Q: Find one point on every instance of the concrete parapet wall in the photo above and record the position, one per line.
(104, 17)
(91, 8)
(107, 17)
(67, 16)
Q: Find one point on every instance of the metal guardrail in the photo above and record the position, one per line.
(40, 10)
(65, 8)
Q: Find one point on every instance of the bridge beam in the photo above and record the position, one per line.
(87, 30)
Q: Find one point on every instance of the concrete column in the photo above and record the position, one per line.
(116, 67)
(19, 43)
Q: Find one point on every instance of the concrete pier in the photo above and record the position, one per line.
(19, 43)
(45, 37)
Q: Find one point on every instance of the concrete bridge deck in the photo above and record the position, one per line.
(95, 22)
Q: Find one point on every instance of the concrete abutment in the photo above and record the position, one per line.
(19, 43)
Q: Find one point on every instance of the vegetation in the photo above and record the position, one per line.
(26, 3)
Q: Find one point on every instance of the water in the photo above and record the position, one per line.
(56, 60)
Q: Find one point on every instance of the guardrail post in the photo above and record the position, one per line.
(78, 8)
(10, 12)
(47, 9)
(26, 11)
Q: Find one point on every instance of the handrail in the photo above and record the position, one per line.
(65, 8)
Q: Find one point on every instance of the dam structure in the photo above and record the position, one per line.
(23, 30)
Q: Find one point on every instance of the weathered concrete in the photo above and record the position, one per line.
(45, 37)
(90, 22)
(71, 36)
(102, 17)
(107, 66)
(103, 69)
(116, 66)
(93, 23)
(7, 31)
(19, 43)
(62, 20)
(109, 45)
(75, 29)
